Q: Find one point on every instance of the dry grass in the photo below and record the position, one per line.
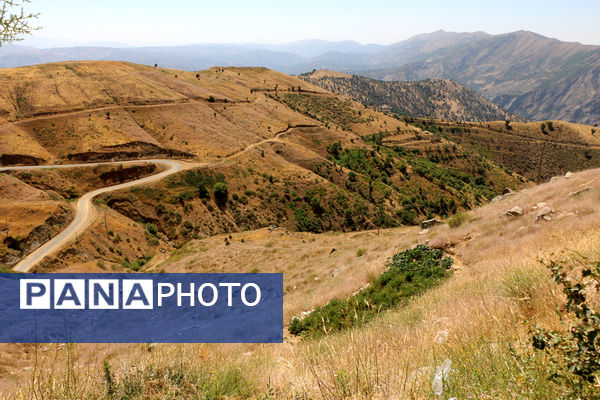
(479, 318)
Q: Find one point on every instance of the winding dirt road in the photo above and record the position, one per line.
(85, 212)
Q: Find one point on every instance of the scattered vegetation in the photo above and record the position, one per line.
(328, 109)
(408, 274)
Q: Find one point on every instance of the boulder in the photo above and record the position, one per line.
(429, 223)
(544, 213)
(505, 193)
(441, 377)
(568, 175)
(516, 211)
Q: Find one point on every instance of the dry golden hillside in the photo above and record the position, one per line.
(289, 153)
(479, 318)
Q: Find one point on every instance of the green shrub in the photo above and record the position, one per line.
(457, 220)
(409, 274)
(220, 192)
(361, 252)
(305, 222)
(406, 217)
(575, 352)
(152, 229)
(5, 269)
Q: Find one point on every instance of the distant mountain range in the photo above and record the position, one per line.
(441, 99)
(524, 73)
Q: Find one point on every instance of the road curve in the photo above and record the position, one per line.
(85, 212)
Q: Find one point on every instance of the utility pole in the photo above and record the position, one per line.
(539, 171)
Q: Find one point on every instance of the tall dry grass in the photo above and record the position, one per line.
(480, 319)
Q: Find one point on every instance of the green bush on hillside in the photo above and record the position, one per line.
(457, 220)
(575, 352)
(408, 274)
(220, 192)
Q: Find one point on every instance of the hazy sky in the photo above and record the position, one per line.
(154, 22)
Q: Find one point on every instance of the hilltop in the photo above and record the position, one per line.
(441, 99)
(524, 73)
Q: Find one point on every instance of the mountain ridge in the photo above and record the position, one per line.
(441, 99)
(523, 72)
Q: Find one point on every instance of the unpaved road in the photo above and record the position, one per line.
(85, 212)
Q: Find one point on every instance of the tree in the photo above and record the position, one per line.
(14, 21)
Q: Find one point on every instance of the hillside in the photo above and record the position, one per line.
(287, 152)
(440, 99)
(480, 318)
(537, 150)
(524, 73)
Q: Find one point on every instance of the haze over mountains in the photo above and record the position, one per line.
(524, 73)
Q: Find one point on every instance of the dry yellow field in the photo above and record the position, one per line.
(499, 289)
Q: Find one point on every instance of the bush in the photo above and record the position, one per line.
(152, 229)
(305, 222)
(406, 217)
(220, 192)
(457, 220)
(409, 274)
(575, 352)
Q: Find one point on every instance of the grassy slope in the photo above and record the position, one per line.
(562, 146)
(479, 318)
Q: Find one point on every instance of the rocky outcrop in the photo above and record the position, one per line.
(516, 211)
(18, 247)
(505, 193)
(544, 213)
(429, 223)
(20, 159)
(127, 151)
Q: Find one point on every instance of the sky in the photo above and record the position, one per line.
(172, 22)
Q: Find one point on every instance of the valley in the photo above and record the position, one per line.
(118, 167)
